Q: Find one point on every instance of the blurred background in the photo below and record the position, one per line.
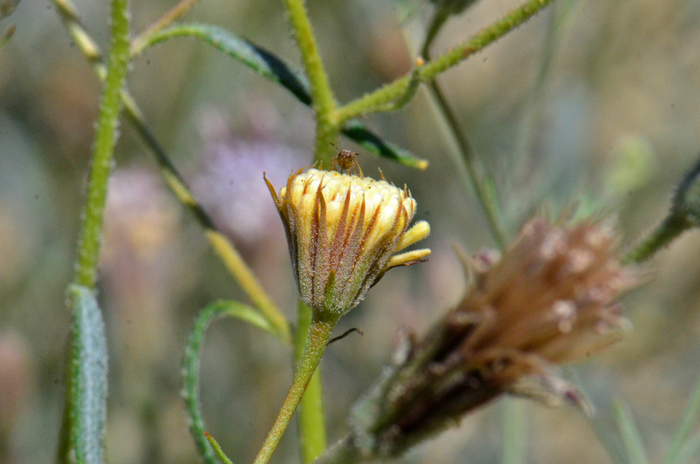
(591, 101)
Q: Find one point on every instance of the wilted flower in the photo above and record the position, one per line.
(551, 300)
(343, 231)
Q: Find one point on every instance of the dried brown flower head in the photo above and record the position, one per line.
(343, 231)
(550, 300)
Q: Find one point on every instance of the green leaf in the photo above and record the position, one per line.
(690, 416)
(630, 434)
(275, 69)
(191, 364)
(88, 378)
(371, 142)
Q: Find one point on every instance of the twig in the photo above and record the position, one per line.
(375, 101)
(166, 20)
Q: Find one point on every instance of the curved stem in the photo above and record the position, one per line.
(191, 365)
(377, 100)
(673, 226)
(312, 422)
(316, 341)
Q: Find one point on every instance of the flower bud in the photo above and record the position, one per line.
(343, 231)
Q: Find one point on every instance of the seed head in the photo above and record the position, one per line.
(343, 231)
(550, 300)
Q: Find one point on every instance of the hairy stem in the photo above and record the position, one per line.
(105, 139)
(91, 229)
(324, 105)
(378, 99)
(316, 342)
(312, 422)
(673, 226)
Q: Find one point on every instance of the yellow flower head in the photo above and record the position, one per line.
(343, 231)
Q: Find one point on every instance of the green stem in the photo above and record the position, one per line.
(312, 422)
(222, 246)
(378, 99)
(217, 449)
(91, 229)
(673, 226)
(316, 341)
(324, 105)
(105, 139)
(467, 161)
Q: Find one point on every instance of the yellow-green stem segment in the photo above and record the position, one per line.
(312, 422)
(316, 341)
(105, 139)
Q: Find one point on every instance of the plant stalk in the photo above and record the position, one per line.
(673, 226)
(316, 342)
(312, 422)
(377, 100)
(105, 139)
(324, 105)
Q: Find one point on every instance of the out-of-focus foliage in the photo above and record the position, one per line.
(620, 71)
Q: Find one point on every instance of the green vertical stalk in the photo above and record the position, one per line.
(324, 105)
(91, 229)
(316, 342)
(105, 139)
(312, 423)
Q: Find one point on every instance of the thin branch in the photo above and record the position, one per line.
(467, 160)
(376, 101)
(166, 20)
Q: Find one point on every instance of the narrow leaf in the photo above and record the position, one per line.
(275, 69)
(191, 364)
(371, 142)
(88, 378)
(630, 434)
